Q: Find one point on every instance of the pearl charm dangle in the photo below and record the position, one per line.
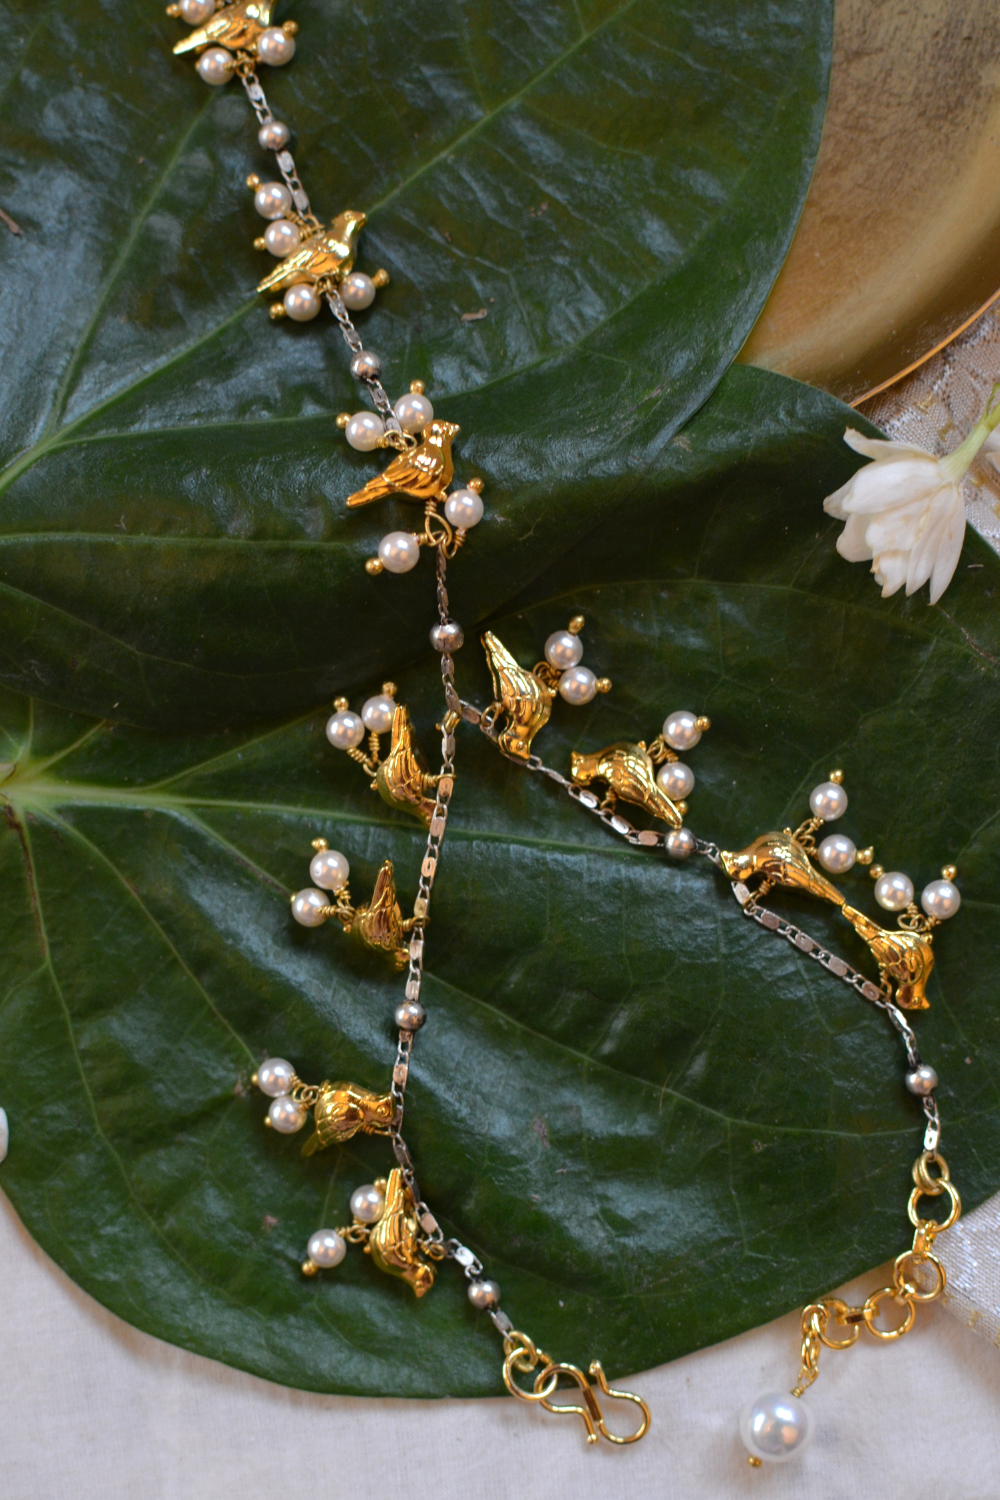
(676, 779)
(357, 291)
(272, 200)
(837, 853)
(377, 712)
(364, 431)
(463, 509)
(563, 650)
(286, 1115)
(302, 303)
(413, 411)
(894, 891)
(367, 1203)
(275, 46)
(828, 801)
(682, 730)
(215, 66)
(578, 686)
(309, 907)
(326, 1249)
(274, 136)
(345, 730)
(281, 237)
(196, 12)
(399, 552)
(275, 1077)
(775, 1427)
(941, 899)
(329, 869)
(922, 1080)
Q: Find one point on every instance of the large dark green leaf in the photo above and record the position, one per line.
(614, 181)
(656, 1123)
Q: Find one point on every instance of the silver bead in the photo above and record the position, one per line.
(680, 843)
(274, 136)
(215, 66)
(828, 801)
(275, 47)
(484, 1295)
(941, 899)
(365, 365)
(368, 1203)
(410, 1015)
(448, 637)
(922, 1081)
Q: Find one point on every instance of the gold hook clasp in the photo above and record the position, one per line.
(522, 1355)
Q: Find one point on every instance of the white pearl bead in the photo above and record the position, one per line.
(680, 843)
(274, 136)
(680, 730)
(399, 552)
(676, 779)
(4, 1135)
(282, 237)
(329, 870)
(272, 200)
(413, 412)
(828, 801)
(940, 899)
(215, 66)
(578, 686)
(357, 291)
(894, 890)
(484, 1294)
(302, 302)
(377, 713)
(563, 649)
(275, 47)
(367, 1203)
(307, 907)
(837, 853)
(196, 12)
(275, 1077)
(922, 1081)
(326, 1249)
(345, 730)
(286, 1115)
(464, 509)
(364, 430)
(776, 1426)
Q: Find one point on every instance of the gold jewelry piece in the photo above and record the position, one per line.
(379, 923)
(324, 258)
(235, 27)
(522, 1355)
(525, 699)
(402, 779)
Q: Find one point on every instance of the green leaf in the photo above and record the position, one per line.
(615, 182)
(656, 1123)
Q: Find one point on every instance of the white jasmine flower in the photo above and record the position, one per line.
(904, 511)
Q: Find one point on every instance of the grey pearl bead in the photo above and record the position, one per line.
(366, 366)
(448, 637)
(922, 1080)
(484, 1295)
(274, 136)
(410, 1015)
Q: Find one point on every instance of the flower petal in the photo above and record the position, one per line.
(852, 542)
(881, 486)
(932, 538)
(881, 448)
(948, 555)
(890, 571)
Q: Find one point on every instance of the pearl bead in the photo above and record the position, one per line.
(272, 200)
(464, 509)
(275, 47)
(680, 843)
(922, 1080)
(326, 1248)
(275, 1077)
(215, 66)
(196, 12)
(329, 870)
(307, 907)
(274, 136)
(894, 891)
(286, 1115)
(302, 302)
(357, 291)
(377, 713)
(345, 730)
(282, 237)
(837, 853)
(485, 1294)
(399, 552)
(4, 1135)
(448, 637)
(776, 1426)
(367, 1203)
(563, 649)
(940, 899)
(413, 412)
(364, 430)
(365, 365)
(578, 686)
(410, 1015)
(676, 779)
(681, 730)
(828, 801)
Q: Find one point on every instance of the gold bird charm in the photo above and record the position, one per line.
(779, 859)
(343, 1109)
(394, 1241)
(402, 779)
(327, 255)
(629, 773)
(523, 697)
(237, 27)
(905, 957)
(380, 924)
(421, 473)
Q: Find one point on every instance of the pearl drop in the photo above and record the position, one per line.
(272, 200)
(399, 552)
(940, 899)
(345, 730)
(357, 291)
(274, 135)
(680, 843)
(922, 1081)
(578, 686)
(366, 365)
(286, 1115)
(302, 302)
(215, 66)
(676, 779)
(364, 430)
(196, 12)
(894, 890)
(828, 801)
(410, 1015)
(413, 412)
(563, 649)
(464, 509)
(307, 907)
(329, 870)
(776, 1426)
(837, 853)
(282, 237)
(326, 1249)
(275, 1077)
(448, 637)
(484, 1294)
(367, 1203)
(377, 713)
(680, 730)
(275, 47)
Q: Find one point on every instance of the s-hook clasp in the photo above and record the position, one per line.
(522, 1355)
